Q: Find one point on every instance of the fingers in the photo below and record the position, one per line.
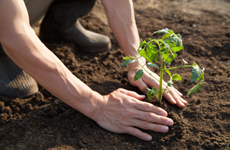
(152, 118)
(148, 125)
(139, 83)
(132, 94)
(179, 93)
(147, 107)
(138, 133)
(174, 98)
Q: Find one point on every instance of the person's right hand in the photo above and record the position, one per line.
(122, 111)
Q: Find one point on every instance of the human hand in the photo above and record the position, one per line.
(173, 96)
(122, 111)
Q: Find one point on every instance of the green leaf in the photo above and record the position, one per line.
(179, 40)
(170, 83)
(165, 55)
(127, 62)
(143, 54)
(128, 57)
(152, 65)
(176, 77)
(152, 52)
(149, 94)
(202, 75)
(171, 58)
(171, 40)
(176, 49)
(153, 40)
(179, 36)
(171, 31)
(166, 30)
(196, 72)
(139, 74)
(166, 45)
(166, 35)
(154, 91)
(168, 72)
(195, 88)
(142, 44)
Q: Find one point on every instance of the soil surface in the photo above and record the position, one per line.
(45, 122)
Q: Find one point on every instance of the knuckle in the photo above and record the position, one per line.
(147, 107)
(119, 89)
(137, 133)
(149, 116)
(144, 125)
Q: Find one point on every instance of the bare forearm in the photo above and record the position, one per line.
(120, 14)
(23, 46)
(33, 57)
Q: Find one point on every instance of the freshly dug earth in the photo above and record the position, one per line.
(44, 122)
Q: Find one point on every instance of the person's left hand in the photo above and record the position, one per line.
(173, 96)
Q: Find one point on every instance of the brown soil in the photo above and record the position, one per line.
(44, 122)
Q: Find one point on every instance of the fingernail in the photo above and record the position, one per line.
(164, 129)
(148, 138)
(180, 93)
(169, 123)
(184, 100)
(174, 101)
(164, 113)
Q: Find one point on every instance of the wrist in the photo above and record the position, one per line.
(93, 106)
(136, 65)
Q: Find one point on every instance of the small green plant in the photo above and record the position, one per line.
(165, 50)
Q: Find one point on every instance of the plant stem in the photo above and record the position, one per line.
(142, 66)
(161, 77)
(178, 67)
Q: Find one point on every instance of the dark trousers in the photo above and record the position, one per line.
(1, 50)
(63, 13)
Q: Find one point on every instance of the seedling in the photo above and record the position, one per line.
(165, 49)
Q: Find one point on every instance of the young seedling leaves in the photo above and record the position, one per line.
(152, 65)
(165, 56)
(166, 30)
(179, 40)
(202, 75)
(154, 91)
(177, 49)
(176, 77)
(170, 32)
(128, 61)
(171, 58)
(166, 36)
(195, 88)
(170, 83)
(166, 49)
(196, 72)
(128, 57)
(171, 41)
(142, 43)
(166, 45)
(142, 53)
(152, 52)
(139, 74)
